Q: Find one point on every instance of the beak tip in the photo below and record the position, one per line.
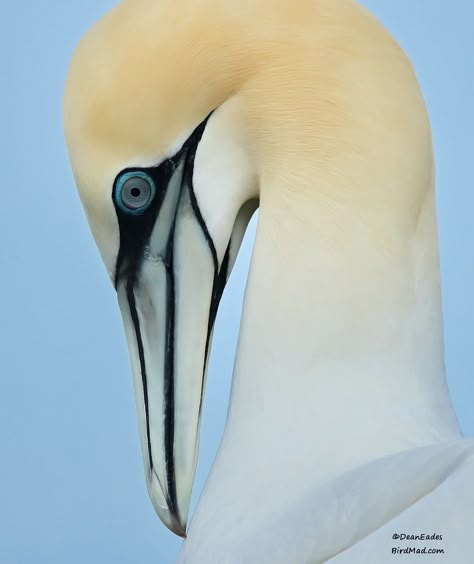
(173, 523)
(174, 519)
(177, 528)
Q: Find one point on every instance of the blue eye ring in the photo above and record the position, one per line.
(134, 192)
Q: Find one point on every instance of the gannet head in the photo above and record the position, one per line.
(175, 115)
(154, 136)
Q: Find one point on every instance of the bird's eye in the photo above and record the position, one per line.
(134, 192)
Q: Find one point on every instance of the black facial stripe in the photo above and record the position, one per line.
(219, 276)
(141, 355)
(197, 211)
(169, 422)
(169, 377)
(217, 291)
(135, 233)
(219, 285)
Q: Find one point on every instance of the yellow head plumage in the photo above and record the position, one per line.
(313, 102)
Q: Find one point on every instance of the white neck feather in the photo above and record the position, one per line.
(340, 357)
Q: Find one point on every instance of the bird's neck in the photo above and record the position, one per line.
(340, 356)
(341, 348)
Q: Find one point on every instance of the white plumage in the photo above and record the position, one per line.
(340, 431)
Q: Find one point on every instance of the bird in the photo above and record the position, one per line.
(181, 118)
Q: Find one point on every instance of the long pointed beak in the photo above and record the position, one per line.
(167, 309)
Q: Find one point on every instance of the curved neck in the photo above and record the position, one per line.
(341, 351)
(342, 336)
(340, 357)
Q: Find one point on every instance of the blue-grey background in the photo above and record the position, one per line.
(71, 479)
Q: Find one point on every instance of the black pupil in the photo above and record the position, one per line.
(135, 192)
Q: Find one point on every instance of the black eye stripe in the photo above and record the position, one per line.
(136, 229)
(136, 225)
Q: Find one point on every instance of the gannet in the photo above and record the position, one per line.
(181, 117)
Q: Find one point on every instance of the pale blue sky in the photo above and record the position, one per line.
(71, 479)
